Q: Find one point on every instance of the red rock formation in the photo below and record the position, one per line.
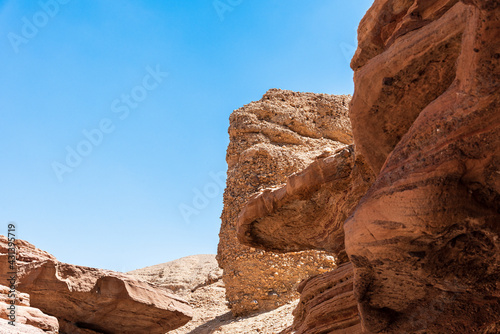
(425, 239)
(327, 304)
(88, 300)
(308, 213)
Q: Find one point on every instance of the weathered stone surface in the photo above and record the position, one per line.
(182, 276)
(101, 301)
(269, 140)
(5, 328)
(26, 253)
(425, 239)
(27, 319)
(397, 84)
(327, 304)
(88, 300)
(298, 215)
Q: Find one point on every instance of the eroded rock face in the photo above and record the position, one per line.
(424, 240)
(28, 319)
(269, 140)
(88, 300)
(327, 304)
(297, 216)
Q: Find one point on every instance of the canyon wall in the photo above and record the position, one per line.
(423, 203)
(424, 240)
(271, 139)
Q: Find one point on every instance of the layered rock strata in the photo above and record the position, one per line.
(27, 319)
(88, 300)
(327, 304)
(269, 140)
(308, 213)
(425, 239)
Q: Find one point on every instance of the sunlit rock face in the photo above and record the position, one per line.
(83, 300)
(424, 240)
(271, 139)
(423, 195)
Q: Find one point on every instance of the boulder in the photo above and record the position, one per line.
(89, 300)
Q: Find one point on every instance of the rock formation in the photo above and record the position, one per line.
(424, 239)
(88, 300)
(327, 304)
(28, 319)
(308, 212)
(279, 218)
(269, 140)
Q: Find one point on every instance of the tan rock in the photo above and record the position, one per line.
(100, 300)
(182, 276)
(269, 140)
(5, 328)
(297, 216)
(27, 319)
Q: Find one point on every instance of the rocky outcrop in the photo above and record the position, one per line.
(308, 212)
(425, 239)
(88, 300)
(27, 319)
(297, 215)
(269, 140)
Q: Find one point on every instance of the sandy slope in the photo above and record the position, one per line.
(198, 279)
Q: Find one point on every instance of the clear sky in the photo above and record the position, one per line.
(114, 114)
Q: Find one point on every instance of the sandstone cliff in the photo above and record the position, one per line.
(424, 239)
(269, 140)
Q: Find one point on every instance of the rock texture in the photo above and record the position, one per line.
(308, 212)
(193, 279)
(297, 215)
(28, 319)
(327, 304)
(182, 276)
(88, 300)
(269, 140)
(425, 239)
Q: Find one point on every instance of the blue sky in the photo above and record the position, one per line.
(115, 113)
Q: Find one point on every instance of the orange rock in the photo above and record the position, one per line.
(425, 239)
